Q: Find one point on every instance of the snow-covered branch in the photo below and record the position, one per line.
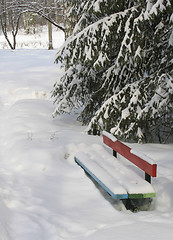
(118, 65)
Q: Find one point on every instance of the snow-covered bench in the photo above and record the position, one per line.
(139, 159)
(117, 179)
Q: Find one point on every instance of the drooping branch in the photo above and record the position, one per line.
(49, 19)
(41, 10)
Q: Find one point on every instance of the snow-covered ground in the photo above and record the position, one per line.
(34, 41)
(44, 194)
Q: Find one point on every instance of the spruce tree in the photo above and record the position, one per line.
(118, 64)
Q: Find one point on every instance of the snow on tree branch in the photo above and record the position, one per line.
(118, 67)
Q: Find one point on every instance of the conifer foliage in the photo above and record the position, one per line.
(119, 68)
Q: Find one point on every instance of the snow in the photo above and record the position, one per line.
(96, 6)
(35, 41)
(94, 166)
(110, 136)
(143, 156)
(104, 166)
(138, 51)
(158, 5)
(44, 194)
(125, 113)
(171, 39)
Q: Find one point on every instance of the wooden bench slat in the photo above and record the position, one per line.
(146, 195)
(118, 180)
(105, 180)
(130, 180)
(125, 151)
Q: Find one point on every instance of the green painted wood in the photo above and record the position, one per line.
(84, 161)
(135, 196)
(149, 195)
(141, 195)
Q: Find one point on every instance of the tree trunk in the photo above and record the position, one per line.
(50, 36)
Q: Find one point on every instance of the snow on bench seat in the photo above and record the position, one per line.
(106, 180)
(116, 178)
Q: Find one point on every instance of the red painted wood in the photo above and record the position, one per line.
(124, 150)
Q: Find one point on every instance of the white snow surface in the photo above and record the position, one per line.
(34, 41)
(44, 194)
(143, 156)
(119, 178)
(110, 136)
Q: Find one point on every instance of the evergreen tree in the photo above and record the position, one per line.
(118, 64)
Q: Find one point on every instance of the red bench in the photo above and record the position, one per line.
(146, 164)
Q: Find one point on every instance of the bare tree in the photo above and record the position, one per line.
(12, 10)
(9, 19)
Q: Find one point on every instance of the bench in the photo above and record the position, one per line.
(115, 177)
(140, 160)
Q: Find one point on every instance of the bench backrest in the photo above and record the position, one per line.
(147, 165)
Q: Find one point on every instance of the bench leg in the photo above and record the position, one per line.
(134, 205)
(147, 177)
(114, 153)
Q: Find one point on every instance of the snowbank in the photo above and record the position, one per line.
(44, 194)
